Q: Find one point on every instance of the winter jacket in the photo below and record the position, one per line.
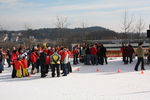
(87, 51)
(18, 64)
(102, 52)
(14, 56)
(43, 58)
(47, 60)
(65, 57)
(33, 57)
(82, 51)
(69, 53)
(50, 52)
(93, 51)
(130, 51)
(140, 52)
(76, 51)
(25, 63)
(61, 54)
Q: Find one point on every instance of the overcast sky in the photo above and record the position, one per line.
(18, 14)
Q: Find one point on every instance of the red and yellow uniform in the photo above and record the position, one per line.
(18, 65)
(25, 67)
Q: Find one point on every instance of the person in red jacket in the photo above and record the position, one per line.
(33, 59)
(94, 59)
(123, 51)
(14, 57)
(18, 67)
(75, 55)
(50, 52)
(25, 67)
(64, 61)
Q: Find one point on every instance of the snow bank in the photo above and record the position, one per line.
(86, 84)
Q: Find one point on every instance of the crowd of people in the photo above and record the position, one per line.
(42, 59)
(143, 56)
(90, 54)
(127, 53)
(57, 60)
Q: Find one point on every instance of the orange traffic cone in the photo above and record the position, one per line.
(119, 70)
(97, 70)
(78, 69)
(142, 72)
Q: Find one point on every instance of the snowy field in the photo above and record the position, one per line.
(86, 84)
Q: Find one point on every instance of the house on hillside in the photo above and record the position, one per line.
(15, 37)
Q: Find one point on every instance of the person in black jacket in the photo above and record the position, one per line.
(102, 54)
(43, 64)
(8, 57)
(130, 52)
(87, 57)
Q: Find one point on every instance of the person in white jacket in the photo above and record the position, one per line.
(65, 60)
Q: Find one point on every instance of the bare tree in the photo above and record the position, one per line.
(61, 24)
(127, 26)
(139, 27)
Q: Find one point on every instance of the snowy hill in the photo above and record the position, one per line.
(90, 83)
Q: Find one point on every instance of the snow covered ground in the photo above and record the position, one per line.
(86, 84)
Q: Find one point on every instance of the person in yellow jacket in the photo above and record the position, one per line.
(55, 62)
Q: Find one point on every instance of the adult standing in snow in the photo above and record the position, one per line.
(75, 55)
(33, 59)
(102, 55)
(43, 63)
(123, 53)
(55, 63)
(87, 57)
(8, 57)
(140, 54)
(14, 57)
(69, 64)
(130, 52)
(64, 61)
(39, 49)
(94, 55)
(82, 54)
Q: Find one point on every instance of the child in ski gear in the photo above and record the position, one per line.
(25, 67)
(33, 59)
(18, 67)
